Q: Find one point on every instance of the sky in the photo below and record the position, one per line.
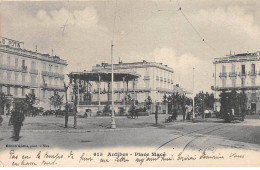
(81, 32)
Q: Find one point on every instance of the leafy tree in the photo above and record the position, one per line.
(56, 100)
(29, 101)
(232, 100)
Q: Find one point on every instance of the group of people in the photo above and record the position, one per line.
(134, 112)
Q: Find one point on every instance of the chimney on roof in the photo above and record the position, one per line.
(36, 48)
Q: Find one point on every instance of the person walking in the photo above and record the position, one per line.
(1, 120)
(156, 113)
(16, 120)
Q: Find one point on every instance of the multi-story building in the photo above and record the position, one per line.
(239, 72)
(23, 71)
(155, 80)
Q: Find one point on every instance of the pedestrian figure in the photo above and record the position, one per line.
(1, 120)
(156, 113)
(136, 113)
(86, 114)
(133, 111)
(16, 120)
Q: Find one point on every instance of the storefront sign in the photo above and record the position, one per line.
(11, 43)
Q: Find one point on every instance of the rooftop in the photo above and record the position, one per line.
(17, 48)
(238, 57)
(122, 65)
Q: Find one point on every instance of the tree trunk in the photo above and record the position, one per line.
(66, 107)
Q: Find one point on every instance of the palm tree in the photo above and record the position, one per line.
(29, 102)
(56, 100)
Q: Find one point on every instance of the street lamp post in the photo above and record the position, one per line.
(113, 123)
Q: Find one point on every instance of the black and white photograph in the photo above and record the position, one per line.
(130, 83)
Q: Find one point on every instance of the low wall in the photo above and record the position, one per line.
(96, 108)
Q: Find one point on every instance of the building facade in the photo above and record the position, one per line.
(23, 71)
(155, 80)
(239, 72)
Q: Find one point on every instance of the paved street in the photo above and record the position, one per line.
(95, 132)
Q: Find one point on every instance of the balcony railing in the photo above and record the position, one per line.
(24, 69)
(50, 86)
(14, 83)
(58, 75)
(51, 74)
(252, 73)
(102, 91)
(34, 71)
(146, 77)
(11, 68)
(239, 87)
(242, 74)
(223, 74)
(159, 89)
(232, 74)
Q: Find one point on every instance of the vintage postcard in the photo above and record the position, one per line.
(139, 83)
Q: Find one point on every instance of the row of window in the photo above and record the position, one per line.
(242, 82)
(22, 91)
(164, 79)
(243, 68)
(45, 65)
(9, 90)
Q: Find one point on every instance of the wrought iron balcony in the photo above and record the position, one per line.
(24, 69)
(242, 74)
(239, 86)
(252, 73)
(11, 68)
(51, 74)
(146, 77)
(224, 74)
(34, 71)
(232, 74)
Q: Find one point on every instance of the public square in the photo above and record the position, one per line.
(95, 132)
